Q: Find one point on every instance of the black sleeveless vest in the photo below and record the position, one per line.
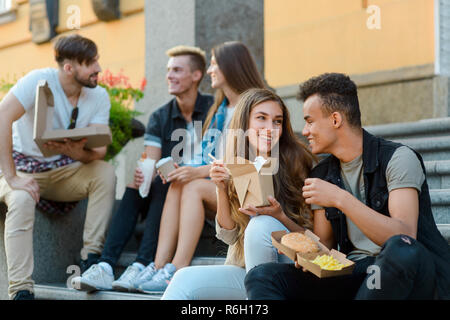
(376, 155)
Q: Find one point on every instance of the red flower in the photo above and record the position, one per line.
(143, 84)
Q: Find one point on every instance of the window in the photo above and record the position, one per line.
(7, 11)
(5, 5)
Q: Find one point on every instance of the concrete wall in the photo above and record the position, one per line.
(57, 241)
(305, 38)
(121, 43)
(401, 95)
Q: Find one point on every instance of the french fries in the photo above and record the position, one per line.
(327, 262)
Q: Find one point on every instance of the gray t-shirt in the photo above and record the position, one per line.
(403, 171)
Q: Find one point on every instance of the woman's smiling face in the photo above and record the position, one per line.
(265, 126)
(218, 80)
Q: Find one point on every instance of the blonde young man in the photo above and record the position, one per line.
(74, 174)
(185, 70)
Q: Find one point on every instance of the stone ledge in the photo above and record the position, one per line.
(405, 74)
(440, 197)
(58, 291)
(437, 167)
(57, 241)
(445, 231)
(426, 127)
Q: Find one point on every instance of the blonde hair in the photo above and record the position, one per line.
(197, 57)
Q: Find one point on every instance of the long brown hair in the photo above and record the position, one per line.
(239, 69)
(295, 163)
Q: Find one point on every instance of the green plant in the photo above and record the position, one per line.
(122, 96)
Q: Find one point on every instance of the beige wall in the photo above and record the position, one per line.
(121, 43)
(304, 38)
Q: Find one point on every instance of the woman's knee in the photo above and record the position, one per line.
(193, 188)
(260, 228)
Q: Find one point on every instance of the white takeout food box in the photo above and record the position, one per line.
(253, 181)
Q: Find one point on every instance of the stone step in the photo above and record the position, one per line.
(128, 258)
(430, 148)
(430, 137)
(440, 205)
(60, 291)
(445, 231)
(438, 174)
(424, 128)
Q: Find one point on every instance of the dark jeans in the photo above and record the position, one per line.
(406, 271)
(124, 220)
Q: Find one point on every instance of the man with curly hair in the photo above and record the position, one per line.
(370, 200)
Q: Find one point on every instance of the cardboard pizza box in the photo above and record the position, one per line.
(43, 125)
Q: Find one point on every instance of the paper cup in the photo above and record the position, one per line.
(147, 167)
(165, 166)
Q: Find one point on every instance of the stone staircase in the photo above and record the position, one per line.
(210, 251)
(431, 138)
(54, 236)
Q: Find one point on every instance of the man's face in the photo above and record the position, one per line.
(180, 77)
(87, 74)
(318, 129)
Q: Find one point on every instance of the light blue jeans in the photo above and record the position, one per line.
(227, 281)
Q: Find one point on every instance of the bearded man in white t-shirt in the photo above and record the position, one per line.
(76, 173)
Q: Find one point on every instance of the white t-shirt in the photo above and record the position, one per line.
(93, 108)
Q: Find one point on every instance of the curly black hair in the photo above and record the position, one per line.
(337, 92)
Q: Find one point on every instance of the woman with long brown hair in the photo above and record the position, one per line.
(232, 71)
(264, 120)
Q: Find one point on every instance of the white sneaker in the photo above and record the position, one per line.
(94, 278)
(160, 280)
(126, 280)
(145, 276)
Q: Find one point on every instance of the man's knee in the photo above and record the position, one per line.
(20, 200)
(258, 276)
(403, 250)
(21, 210)
(258, 273)
(103, 172)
